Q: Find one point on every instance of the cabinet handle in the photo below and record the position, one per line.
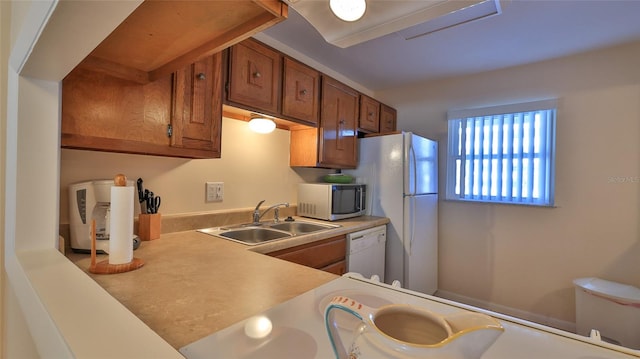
(371, 114)
(257, 74)
(341, 122)
(304, 92)
(201, 76)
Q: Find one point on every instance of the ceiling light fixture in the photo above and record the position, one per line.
(409, 19)
(348, 10)
(261, 124)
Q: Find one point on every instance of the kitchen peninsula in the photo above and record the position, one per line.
(194, 284)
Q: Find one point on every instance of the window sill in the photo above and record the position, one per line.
(477, 201)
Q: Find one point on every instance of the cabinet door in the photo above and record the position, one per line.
(106, 113)
(300, 92)
(338, 268)
(369, 114)
(197, 107)
(254, 76)
(387, 119)
(339, 112)
(327, 254)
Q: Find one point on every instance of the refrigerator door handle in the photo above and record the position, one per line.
(410, 175)
(412, 223)
(414, 167)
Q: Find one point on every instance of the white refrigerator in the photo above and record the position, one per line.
(400, 171)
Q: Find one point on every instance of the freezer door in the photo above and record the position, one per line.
(421, 243)
(421, 165)
(381, 169)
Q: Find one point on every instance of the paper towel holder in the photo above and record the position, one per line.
(104, 267)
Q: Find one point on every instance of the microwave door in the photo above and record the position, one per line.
(345, 200)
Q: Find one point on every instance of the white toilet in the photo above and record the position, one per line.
(613, 309)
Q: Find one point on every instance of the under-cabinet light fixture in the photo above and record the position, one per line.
(348, 10)
(261, 124)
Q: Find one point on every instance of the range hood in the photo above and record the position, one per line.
(408, 18)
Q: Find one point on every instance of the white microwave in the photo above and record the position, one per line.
(331, 201)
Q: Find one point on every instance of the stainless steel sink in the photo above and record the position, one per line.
(301, 227)
(254, 235)
(251, 234)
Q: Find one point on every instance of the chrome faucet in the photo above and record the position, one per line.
(257, 215)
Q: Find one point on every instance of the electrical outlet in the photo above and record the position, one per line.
(214, 191)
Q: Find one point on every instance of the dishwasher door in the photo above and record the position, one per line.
(366, 251)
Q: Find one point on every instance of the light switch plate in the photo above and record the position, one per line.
(214, 191)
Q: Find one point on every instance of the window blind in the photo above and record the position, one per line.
(503, 154)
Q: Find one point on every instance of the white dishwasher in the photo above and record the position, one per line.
(366, 250)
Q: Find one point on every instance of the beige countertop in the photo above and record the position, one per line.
(193, 284)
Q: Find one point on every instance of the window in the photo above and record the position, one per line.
(503, 154)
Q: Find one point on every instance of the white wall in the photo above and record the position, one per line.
(253, 167)
(15, 339)
(5, 28)
(525, 258)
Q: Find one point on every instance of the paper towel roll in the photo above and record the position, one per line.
(121, 225)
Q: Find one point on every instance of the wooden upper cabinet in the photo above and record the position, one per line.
(254, 76)
(161, 37)
(263, 80)
(388, 118)
(300, 92)
(177, 116)
(101, 112)
(197, 107)
(338, 138)
(333, 143)
(369, 115)
(154, 85)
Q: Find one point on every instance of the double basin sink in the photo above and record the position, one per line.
(253, 234)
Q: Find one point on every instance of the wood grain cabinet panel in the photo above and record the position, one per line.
(300, 92)
(197, 107)
(160, 37)
(388, 118)
(254, 76)
(138, 92)
(369, 120)
(328, 254)
(339, 113)
(338, 268)
(101, 112)
(178, 115)
(333, 143)
(304, 146)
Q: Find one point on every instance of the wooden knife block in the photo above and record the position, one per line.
(149, 226)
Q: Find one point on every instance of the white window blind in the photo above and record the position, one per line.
(503, 154)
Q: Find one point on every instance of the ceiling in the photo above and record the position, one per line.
(526, 31)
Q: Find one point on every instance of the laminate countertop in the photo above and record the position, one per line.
(193, 284)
